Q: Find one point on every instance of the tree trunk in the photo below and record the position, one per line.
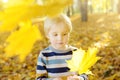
(70, 11)
(114, 5)
(83, 10)
(118, 6)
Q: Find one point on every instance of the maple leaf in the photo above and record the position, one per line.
(82, 61)
(21, 42)
(12, 15)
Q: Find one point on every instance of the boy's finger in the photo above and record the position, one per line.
(69, 78)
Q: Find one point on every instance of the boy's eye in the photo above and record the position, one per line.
(55, 34)
(65, 34)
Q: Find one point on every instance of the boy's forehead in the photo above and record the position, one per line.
(59, 28)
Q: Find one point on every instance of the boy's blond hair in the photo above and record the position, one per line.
(49, 22)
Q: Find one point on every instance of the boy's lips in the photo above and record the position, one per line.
(60, 43)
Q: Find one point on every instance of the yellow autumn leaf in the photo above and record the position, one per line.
(73, 64)
(15, 12)
(82, 61)
(21, 41)
(9, 3)
(12, 15)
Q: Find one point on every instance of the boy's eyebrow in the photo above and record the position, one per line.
(66, 31)
(62, 32)
(54, 32)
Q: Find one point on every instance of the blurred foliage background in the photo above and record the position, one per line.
(95, 23)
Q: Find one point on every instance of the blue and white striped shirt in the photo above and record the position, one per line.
(52, 63)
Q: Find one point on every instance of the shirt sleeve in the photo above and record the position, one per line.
(41, 72)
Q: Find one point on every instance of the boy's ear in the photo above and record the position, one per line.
(47, 36)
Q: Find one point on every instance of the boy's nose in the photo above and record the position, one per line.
(60, 37)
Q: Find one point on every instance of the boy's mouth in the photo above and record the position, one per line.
(60, 43)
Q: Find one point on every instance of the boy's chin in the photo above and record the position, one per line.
(61, 48)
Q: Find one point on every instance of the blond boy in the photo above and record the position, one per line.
(51, 63)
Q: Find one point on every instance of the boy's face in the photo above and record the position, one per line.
(58, 36)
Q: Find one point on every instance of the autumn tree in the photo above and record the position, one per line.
(118, 6)
(69, 11)
(83, 9)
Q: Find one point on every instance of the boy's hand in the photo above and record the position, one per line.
(75, 77)
(57, 79)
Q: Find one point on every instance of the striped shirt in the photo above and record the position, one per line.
(52, 63)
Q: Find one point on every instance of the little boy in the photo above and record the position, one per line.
(51, 63)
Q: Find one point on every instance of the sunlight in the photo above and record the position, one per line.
(4, 1)
(22, 37)
(89, 3)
